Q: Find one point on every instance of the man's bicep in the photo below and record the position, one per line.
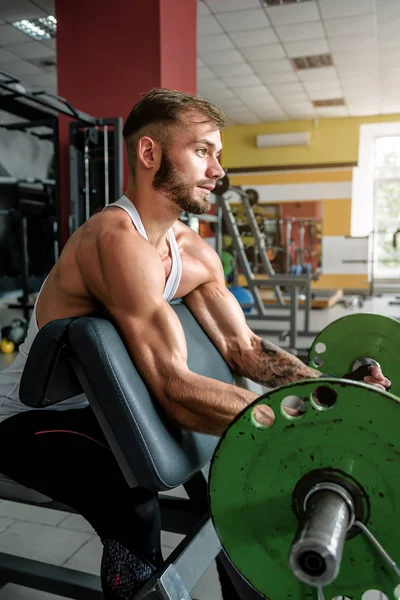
(129, 283)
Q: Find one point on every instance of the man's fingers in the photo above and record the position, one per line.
(376, 373)
(372, 381)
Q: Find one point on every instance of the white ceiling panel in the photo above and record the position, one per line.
(205, 73)
(327, 84)
(208, 43)
(279, 77)
(244, 81)
(244, 50)
(211, 84)
(254, 37)
(223, 57)
(230, 103)
(20, 9)
(265, 67)
(294, 87)
(6, 56)
(345, 8)
(269, 115)
(288, 103)
(333, 111)
(48, 5)
(339, 27)
(208, 25)
(242, 20)
(30, 50)
(307, 47)
(50, 43)
(326, 93)
(293, 13)
(288, 100)
(302, 113)
(220, 6)
(202, 9)
(232, 70)
(388, 109)
(368, 58)
(349, 43)
(10, 35)
(362, 111)
(263, 52)
(301, 31)
(387, 11)
(321, 74)
(259, 91)
(218, 96)
(20, 68)
(389, 31)
(44, 79)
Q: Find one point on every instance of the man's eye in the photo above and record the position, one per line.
(202, 151)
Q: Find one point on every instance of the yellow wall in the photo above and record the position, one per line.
(332, 141)
(336, 216)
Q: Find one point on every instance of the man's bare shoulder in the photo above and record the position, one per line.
(191, 244)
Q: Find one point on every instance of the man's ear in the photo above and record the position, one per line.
(149, 153)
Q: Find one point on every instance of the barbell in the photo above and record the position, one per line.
(310, 507)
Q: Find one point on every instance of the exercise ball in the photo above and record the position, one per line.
(244, 297)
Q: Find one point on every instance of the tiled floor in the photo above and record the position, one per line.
(61, 538)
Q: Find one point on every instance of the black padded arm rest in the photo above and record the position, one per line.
(48, 376)
(160, 454)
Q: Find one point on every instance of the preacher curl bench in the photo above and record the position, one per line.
(87, 354)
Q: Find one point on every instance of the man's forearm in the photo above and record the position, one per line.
(206, 405)
(272, 366)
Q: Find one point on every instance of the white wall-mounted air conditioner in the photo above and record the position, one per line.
(300, 138)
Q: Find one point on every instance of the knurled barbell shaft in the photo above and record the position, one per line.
(317, 550)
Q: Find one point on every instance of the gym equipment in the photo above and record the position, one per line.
(95, 168)
(309, 507)
(358, 339)
(244, 297)
(28, 237)
(71, 356)
(15, 332)
(268, 279)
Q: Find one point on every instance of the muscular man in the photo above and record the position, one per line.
(131, 260)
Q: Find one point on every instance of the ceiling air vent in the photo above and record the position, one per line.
(312, 62)
(329, 102)
(282, 2)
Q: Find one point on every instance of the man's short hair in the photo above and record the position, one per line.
(157, 110)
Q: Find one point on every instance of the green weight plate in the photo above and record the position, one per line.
(255, 471)
(340, 344)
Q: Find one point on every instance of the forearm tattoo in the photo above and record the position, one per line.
(277, 367)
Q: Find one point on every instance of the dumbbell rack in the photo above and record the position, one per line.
(293, 283)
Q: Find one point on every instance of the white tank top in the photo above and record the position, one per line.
(176, 270)
(11, 376)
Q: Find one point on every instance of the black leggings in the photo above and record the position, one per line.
(64, 455)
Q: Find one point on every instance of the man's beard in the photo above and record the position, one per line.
(170, 182)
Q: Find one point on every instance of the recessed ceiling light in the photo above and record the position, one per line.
(43, 28)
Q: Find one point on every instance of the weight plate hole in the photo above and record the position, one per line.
(262, 416)
(397, 592)
(318, 361)
(324, 397)
(320, 348)
(374, 595)
(293, 407)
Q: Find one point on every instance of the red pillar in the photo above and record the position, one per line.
(110, 52)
